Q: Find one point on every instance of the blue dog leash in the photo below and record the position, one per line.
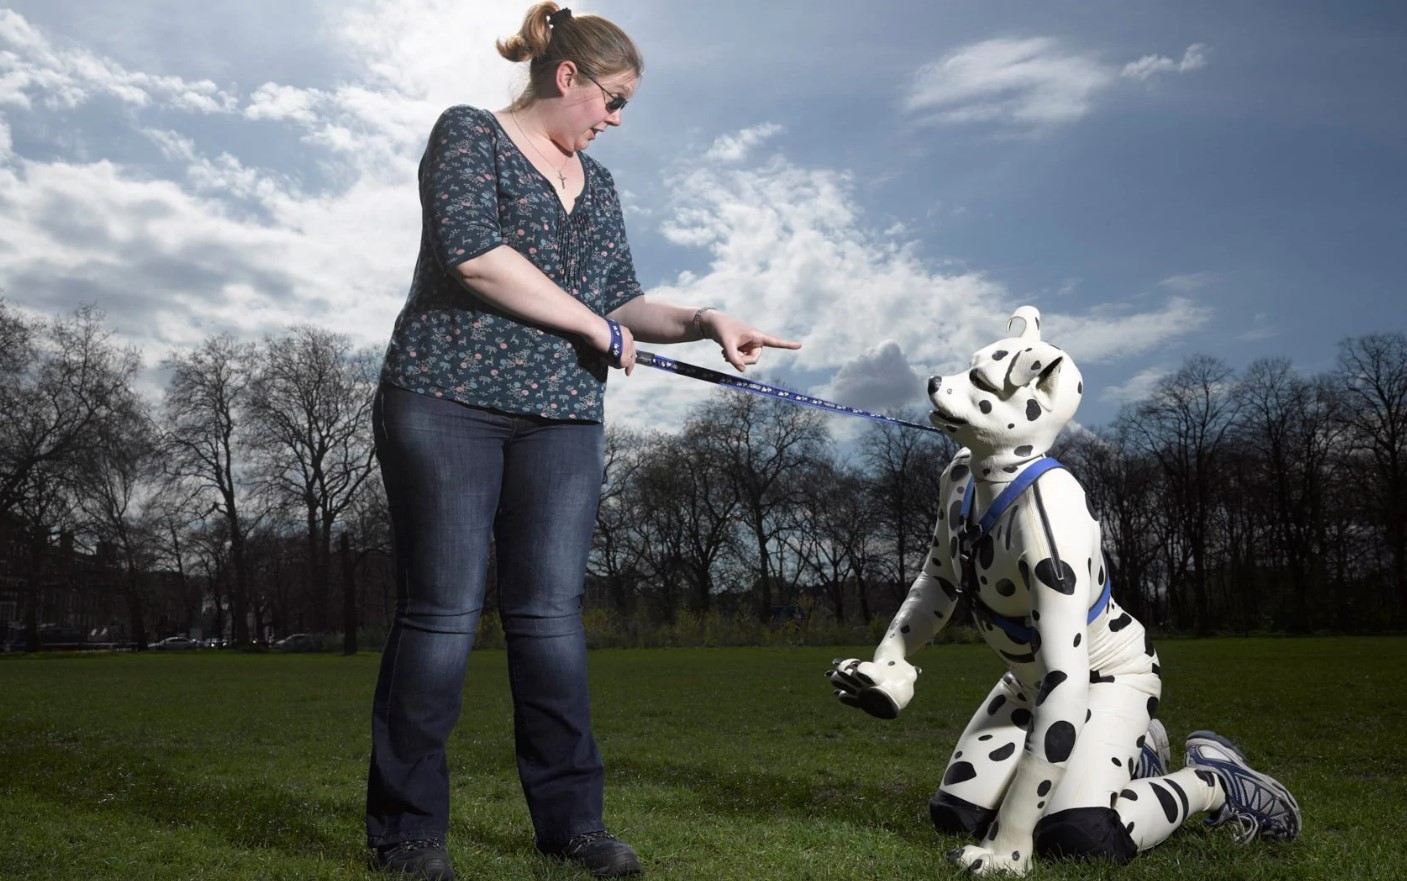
(970, 534)
(669, 365)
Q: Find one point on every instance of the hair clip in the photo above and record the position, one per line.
(561, 15)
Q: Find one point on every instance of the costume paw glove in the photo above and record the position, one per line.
(981, 861)
(880, 688)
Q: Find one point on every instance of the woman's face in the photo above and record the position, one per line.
(588, 106)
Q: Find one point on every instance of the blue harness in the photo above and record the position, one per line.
(969, 534)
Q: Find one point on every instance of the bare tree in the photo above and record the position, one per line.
(762, 441)
(61, 382)
(1184, 425)
(117, 489)
(1286, 423)
(367, 522)
(615, 557)
(1372, 378)
(1124, 488)
(58, 384)
(840, 540)
(905, 465)
(309, 418)
(693, 517)
(207, 390)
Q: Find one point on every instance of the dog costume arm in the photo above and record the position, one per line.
(933, 594)
(925, 611)
(885, 685)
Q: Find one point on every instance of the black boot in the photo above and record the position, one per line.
(602, 854)
(421, 858)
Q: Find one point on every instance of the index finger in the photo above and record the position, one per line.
(779, 343)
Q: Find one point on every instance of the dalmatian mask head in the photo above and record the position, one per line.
(1013, 400)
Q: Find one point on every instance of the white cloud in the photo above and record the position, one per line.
(214, 243)
(1112, 332)
(1031, 82)
(789, 253)
(1188, 283)
(1193, 58)
(65, 78)
(1263, 327)
(1138, 387)
(273, 101)
(735, 147)
(1028, 83)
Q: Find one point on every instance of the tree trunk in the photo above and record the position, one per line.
(135, 613)
(349, 597)
(36, 590)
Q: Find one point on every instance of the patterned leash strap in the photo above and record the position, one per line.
(669, 365)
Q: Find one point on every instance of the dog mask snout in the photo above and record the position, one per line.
(933, 383)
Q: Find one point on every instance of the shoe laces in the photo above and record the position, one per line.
(1259, 809)
(411, 845)
(586, 838)
(1248, 827)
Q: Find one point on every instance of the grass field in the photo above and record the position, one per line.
(721, 764)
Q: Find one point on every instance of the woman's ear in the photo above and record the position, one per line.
(566, 77)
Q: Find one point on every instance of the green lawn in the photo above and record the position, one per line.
(721, 763)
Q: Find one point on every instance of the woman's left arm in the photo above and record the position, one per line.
(653, 322)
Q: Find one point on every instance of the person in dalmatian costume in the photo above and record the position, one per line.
(1064, 756)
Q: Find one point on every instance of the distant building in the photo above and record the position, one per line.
(81, 598)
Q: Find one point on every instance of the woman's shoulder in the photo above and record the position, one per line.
(467, 116)
(601, 172)
(603, 184)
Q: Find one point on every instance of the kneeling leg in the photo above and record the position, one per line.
(983, 763)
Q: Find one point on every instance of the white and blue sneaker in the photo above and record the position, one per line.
(1260, 805)
(1156, 755)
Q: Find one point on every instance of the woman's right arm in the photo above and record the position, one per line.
(460, 198)
(509, 282)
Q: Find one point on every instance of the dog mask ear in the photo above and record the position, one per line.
(1048, 385)
(1031, 363)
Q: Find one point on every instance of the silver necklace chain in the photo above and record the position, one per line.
(558, 170)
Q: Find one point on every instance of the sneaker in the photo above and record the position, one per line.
(422, 858)
(602, 854)
(1156, 756)
(1259, 804)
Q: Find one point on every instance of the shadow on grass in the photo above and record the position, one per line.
(53, 767)
(898, 809)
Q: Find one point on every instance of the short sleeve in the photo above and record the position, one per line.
(621, 285)
(458, 188)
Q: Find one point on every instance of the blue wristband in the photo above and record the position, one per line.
(617, 342)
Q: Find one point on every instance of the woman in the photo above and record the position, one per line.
(488, 426)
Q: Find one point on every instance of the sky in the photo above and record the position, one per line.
(885, 182)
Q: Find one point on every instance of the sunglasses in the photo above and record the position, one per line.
(614, 102)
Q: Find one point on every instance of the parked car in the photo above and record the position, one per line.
(176, 644)
(296, 642)
(212, 642)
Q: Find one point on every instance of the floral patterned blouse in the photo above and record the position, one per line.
(478, 191)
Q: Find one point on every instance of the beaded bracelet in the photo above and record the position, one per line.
(698, 320)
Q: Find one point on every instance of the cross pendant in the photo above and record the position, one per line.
(563, 178)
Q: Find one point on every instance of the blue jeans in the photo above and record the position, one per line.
(455, 477)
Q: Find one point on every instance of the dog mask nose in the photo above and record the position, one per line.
(933, 383)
